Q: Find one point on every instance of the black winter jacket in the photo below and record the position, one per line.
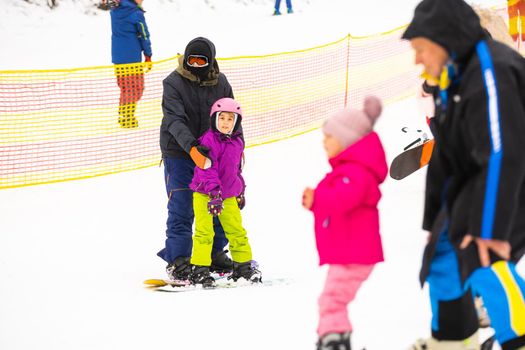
(186, 104)
(477, 168)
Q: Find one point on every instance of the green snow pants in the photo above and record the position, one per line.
(231, 222)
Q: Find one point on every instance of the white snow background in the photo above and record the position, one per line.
(73, 255)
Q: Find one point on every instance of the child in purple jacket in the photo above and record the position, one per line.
(219, 191)
(344, 205)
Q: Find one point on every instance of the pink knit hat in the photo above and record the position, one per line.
(350, 125)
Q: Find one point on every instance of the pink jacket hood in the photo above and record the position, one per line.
(368, 152)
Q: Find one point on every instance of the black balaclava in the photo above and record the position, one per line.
(452, 24)
(203, 47)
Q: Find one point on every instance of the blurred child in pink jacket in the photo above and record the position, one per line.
(344, 205)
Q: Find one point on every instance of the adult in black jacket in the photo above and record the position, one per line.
(188, 95)
(475, 195)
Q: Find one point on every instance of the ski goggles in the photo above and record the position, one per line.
(197, 61)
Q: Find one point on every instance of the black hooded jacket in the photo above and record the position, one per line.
(186, 104)
(477, 168)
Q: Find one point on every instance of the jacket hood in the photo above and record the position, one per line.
(201, 46)
(367, 152)
(126, 7)
(452, 24)
(204, 47)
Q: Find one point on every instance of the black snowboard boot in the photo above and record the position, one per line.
(334, 341)
(180, 269)
(221, 263)
(201, 275)
(248, 270)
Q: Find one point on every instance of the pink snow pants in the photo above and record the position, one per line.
(342, 284)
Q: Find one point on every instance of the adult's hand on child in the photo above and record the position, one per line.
(499, 247)
(308, 198)
(215, 204)
(199, 155)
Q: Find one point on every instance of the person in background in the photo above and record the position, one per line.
(475, 189)
(516, 11)
(130, 39)
(277, 11)
(187, 98)
(346, 216)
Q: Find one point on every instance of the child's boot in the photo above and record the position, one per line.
(334, 341)
(248, 270)
(221, 263)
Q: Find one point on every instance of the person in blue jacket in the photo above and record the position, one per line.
(278, 6)
(129, 40)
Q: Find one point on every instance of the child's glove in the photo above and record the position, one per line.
(215, 205)
(241, 201)
(199, 155)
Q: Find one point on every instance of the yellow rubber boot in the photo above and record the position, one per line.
(127, 117)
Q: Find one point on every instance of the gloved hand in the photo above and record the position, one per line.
(215, 205)
(147, 63)
(241, 201)
(199, 155)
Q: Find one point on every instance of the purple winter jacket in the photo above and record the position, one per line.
(225, 172)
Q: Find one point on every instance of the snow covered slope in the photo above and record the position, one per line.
(73, 255)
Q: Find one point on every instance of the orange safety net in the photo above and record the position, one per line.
(58, 125)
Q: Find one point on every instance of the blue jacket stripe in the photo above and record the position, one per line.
(496, 154)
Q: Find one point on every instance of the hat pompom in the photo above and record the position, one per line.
(372, 108)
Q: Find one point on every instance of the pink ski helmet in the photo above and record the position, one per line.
(226, 104)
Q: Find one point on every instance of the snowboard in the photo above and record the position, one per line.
(163, 285)
(411, 160)
(157, 283)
